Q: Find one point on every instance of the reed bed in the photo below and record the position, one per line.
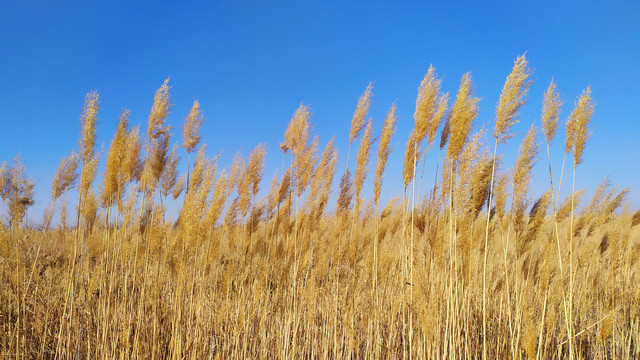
(466, 269)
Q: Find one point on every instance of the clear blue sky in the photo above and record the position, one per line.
(250, 63)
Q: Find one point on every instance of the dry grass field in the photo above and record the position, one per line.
(475, 267)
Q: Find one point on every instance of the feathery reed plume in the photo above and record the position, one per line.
(232, 213)
(159, 158)
(90, 210)
(191, 133)
(179, 187)
(551, 106)
(64, 180)
(191, 128)
(195, 201)
(328, 175)
(218, 199)
(564, 210)
(252, 177)
(88, 122)
(463, 112)
(236, 172)
(361, 168)
(345, 197)
(501, 194)
(521, 176)
(304, 165)
(66, 176)
(285, 186)
(480, 183)
(430, 107)
(200, 166)
(512, 99)
(159, 112)
(580, 118)
(272, 198)
(112, 181)
(469, 161)
(411, 153)
(131, 163)
(321, 182)
(536, 219)
(169, 176)
(384, 149)
(446, 131)
(19, 189)
(297, 133)
(89, 170)
(357, 122)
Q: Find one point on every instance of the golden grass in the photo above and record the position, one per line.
(240, 276)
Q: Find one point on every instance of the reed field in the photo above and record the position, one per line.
(477, 266)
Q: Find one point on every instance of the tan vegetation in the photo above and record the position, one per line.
(477, 267)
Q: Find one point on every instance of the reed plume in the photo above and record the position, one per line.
(19, 189)
(430, 107)
(131, 163)
(112, 184)
(218, 200)
(384, 149)
(64, 180)
(329, 171)
(191, 133)
(446, 131)
(362, 163)
(512, 99)
(305, 165)
(252, 177)
(179, 187)
(410, 159)
(88, 174)
(551, 106)
(88, 160)
(169, 176)
(463, 112)
(159, 112)
(66, 176)
(522, 174)
(191, 128)
(322, 180)
(580, 119)
(501, 193)
(564, 210)
(345, 197)
(88, 122)
(362, 109)
(297, 133)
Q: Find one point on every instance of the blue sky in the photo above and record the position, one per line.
(250, 63)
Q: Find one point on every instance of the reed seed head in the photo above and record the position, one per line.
(551, 106)
(580, 118)
(357, 122)
(431, 106)
(191, 128)
(464, 111)
(512, 99)
(159, 112)
(384, 149)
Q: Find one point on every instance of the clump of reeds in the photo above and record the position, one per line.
(242, 274)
